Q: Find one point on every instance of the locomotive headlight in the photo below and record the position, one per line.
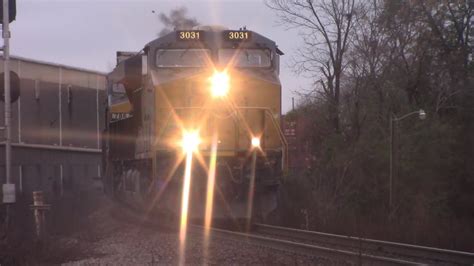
(255, 142)
(190, 141)
(220, 84)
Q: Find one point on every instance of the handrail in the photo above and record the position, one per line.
(282, 139)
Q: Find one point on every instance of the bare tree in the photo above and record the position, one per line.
(450, 24)
(398, 56)
(325, 26)
(176, 20)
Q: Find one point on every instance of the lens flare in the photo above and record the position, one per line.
(210, 195)
(255, 142)
(185, 206)
(220, 84)
(189, 144)
(210, 184)
(190, 141)
(251, 191)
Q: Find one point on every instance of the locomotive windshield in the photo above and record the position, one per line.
(182, 57)
(245, 57)
(118, 94)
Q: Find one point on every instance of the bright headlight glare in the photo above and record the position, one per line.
(190, 141)
(220, 84)
(255, 142)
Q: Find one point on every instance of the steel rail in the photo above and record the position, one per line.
(303, 248)
(371, 245)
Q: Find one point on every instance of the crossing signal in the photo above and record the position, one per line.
(11, 10)
(14, 86)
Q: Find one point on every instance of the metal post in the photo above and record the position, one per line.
(391, 163)
(39, 208)
(19, 107)
(20, 181)
(9, 192)
(6, 69)
(60, 106)
(61, 180)
(97, 111)
(38, 200)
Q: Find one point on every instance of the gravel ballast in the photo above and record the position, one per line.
(112, 240)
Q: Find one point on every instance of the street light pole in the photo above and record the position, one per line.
(393, 123)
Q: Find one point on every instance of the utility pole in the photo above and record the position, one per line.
(6, 70)
(9, 187)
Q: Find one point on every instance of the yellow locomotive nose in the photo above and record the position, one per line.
(220, 84)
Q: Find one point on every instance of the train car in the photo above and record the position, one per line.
(211, 88)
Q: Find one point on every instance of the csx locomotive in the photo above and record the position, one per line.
(207, 87)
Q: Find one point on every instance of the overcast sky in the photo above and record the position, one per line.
(87, 33)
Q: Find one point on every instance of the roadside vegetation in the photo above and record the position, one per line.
(372, 60)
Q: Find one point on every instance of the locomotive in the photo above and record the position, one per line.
(210, 91)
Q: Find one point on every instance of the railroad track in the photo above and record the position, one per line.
(305, 248)
(316, 244)
(130, 215)
(377, 248)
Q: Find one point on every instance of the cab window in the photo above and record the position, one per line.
(245, 57)
(118, 94)
(169, 58)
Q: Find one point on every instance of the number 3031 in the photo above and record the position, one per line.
(189, 35)
(238, 35)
